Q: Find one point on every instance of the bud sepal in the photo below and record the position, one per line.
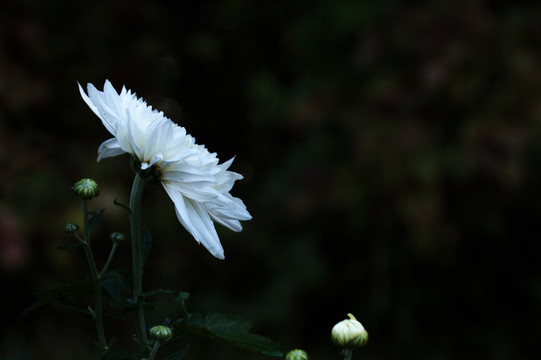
(86, 189)
(297, 354)
(71, 227)
(118, 237)
(160, 333)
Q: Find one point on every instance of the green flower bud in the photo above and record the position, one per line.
(118, 237)
(86, 189)
(297, 354)
(349, 333)
(71, 227)
(160, 333)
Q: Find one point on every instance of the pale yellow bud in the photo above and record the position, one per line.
(349, 333)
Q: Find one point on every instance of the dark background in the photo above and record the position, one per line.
(390, 151)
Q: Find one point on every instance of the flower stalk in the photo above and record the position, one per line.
(137, 255)
(109, 259)
(97, 313)
(347, 354)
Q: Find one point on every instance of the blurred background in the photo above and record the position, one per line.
(390, 149)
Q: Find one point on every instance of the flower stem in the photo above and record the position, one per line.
(137, 257)
(109, 260)
(97, 312)
(347, 353)
(154, 351)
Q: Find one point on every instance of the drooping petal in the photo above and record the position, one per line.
(197, 221)
(200, 194)
(230, 213)
(90, 103)
(110, 148)
(108, 111)
(232, 224)
(188, 175)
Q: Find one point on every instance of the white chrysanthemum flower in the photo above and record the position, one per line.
(190, 174)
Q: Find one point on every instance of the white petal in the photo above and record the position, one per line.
(158, 135)
(134, 134)
(200, 194)
(194, 217)
(229, 223)
(189, 175)
(110, 148)
(108, 111)
(230, 214)
(89, 102)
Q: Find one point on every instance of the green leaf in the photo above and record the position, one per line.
(69, 246)
(95, 218)
(116, 284)
(64, 295)
(177, 355)
(232, 329)
(155, 292)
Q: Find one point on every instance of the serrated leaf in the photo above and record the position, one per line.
(64, 295)
(95, 218)
(177, 355)
(230, 328)
(69, 246)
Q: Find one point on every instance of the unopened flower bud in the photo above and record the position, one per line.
(160, 333)
(86, 189)
(71, 227)
(349, 333)
(118, 237)
(297, 354)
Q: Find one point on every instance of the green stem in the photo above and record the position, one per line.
(347, 353)
(109, 260)
(154, 351)
(98, 312)
(137, 257)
